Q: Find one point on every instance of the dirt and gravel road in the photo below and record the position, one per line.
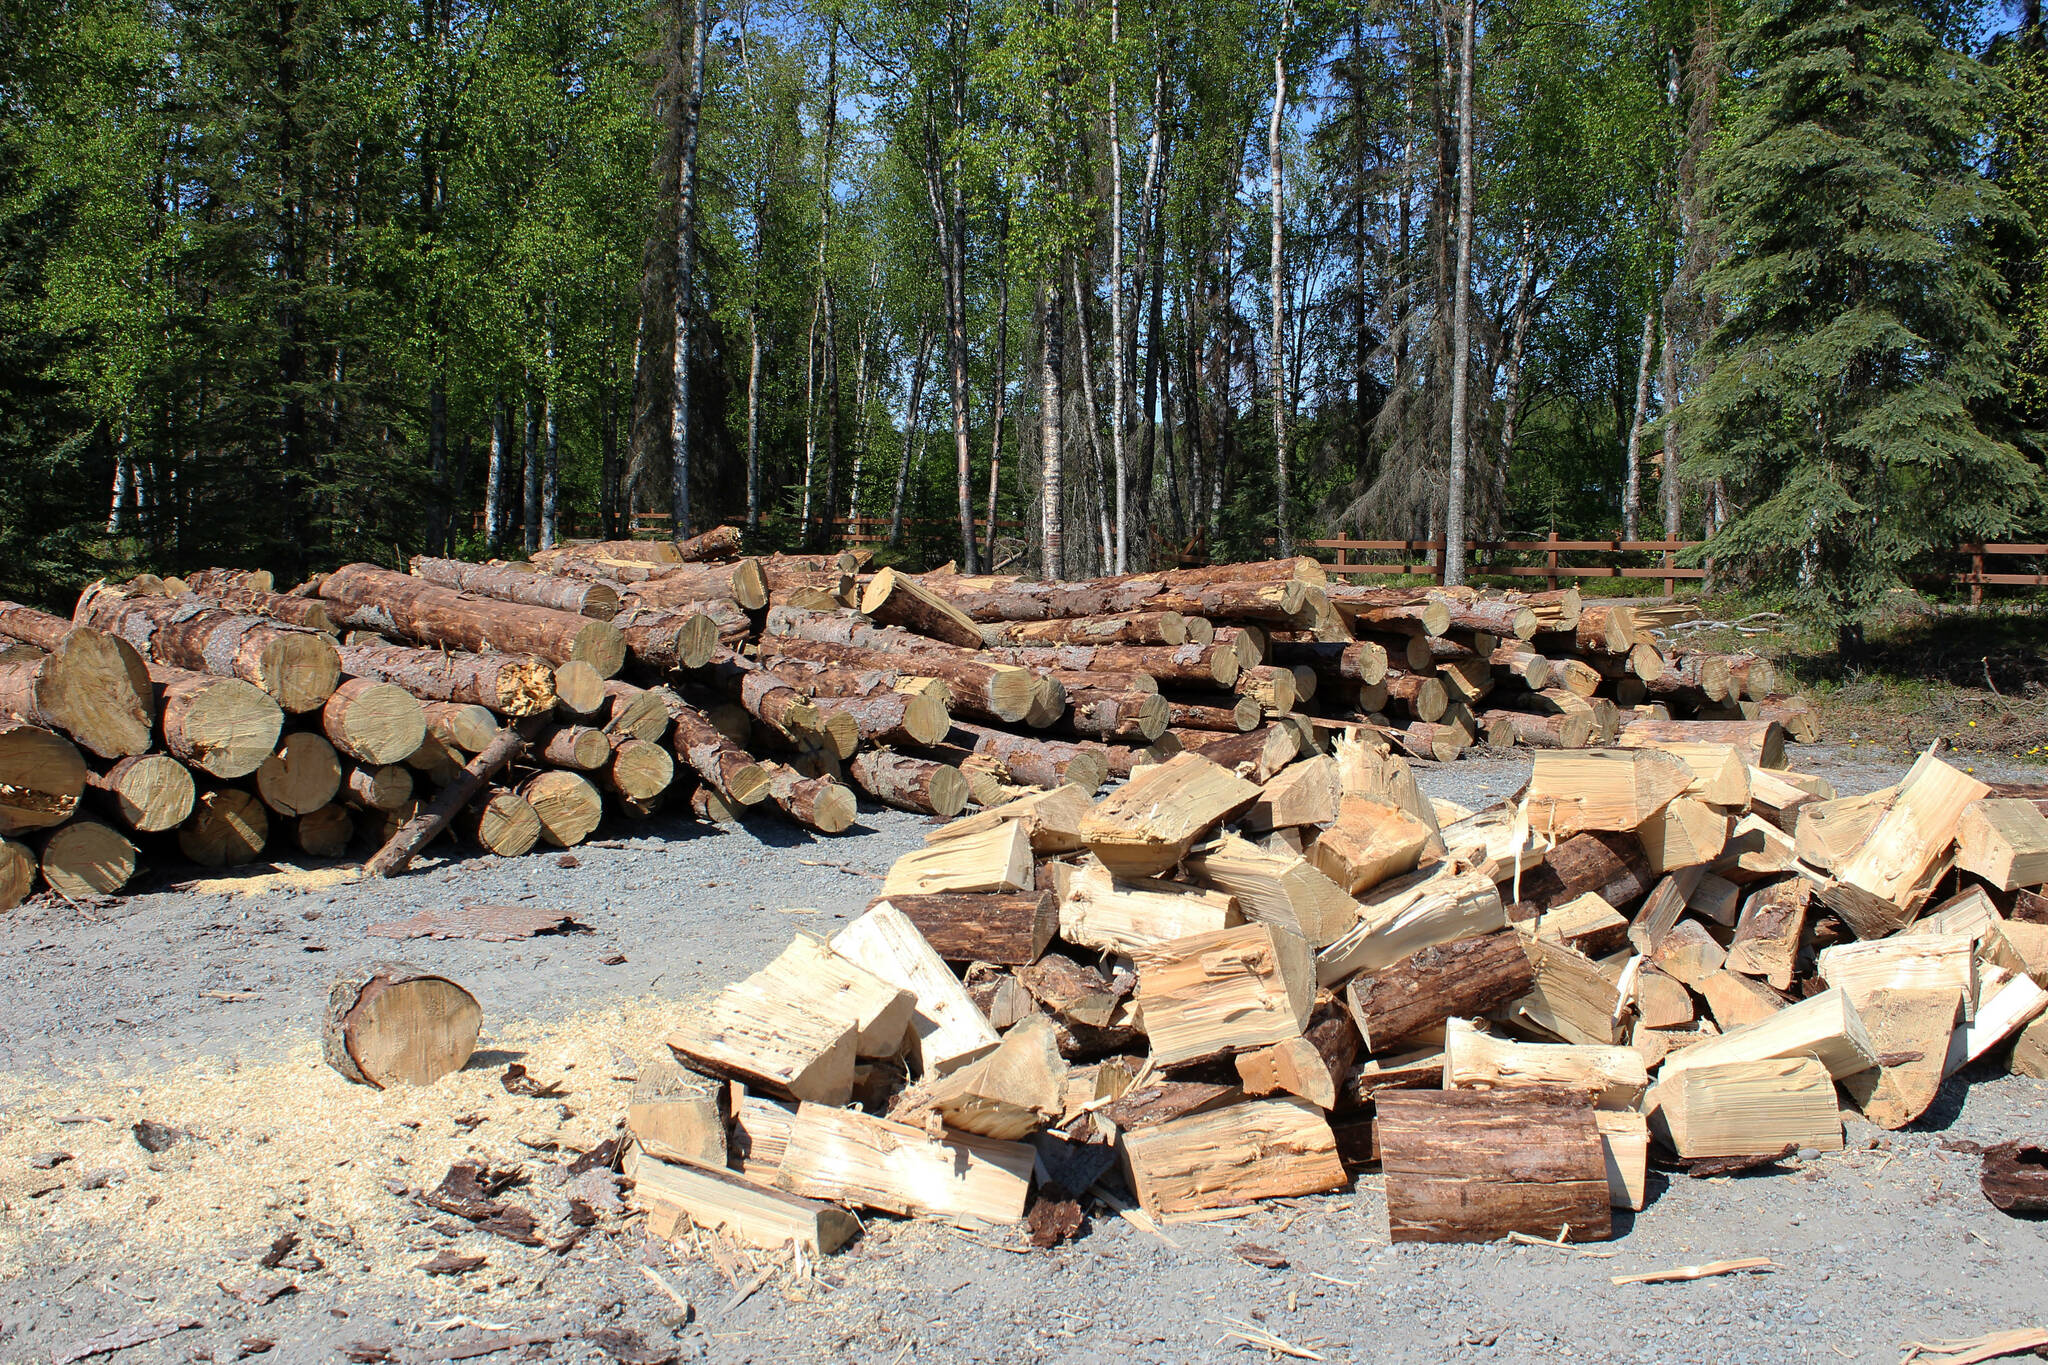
(197, 1008)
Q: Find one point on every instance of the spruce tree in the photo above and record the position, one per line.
(1861, 309)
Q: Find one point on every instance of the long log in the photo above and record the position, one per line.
(1333, 660)
(1036, 762)
(460, 726)
(668, 638)
(720, 542)
(508, 684)
(724, 767)
(83, 688)
(817, 803)
(900, 600)
(1124, 717)
(892, 718)
(1188, 665)
(907, 783)
(296, 666)
(1423, 697)
(995, 691)
(739, 580)
(1116, 628)
(522, 584)
(1692, 673)
(370, 598)
(1563, 731)
(309, 612)
(1236, 718)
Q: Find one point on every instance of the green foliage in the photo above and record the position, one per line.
(1862, 320)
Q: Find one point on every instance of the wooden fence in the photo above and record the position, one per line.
(1424, 558)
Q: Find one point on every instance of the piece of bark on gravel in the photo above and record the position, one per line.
(484, 923)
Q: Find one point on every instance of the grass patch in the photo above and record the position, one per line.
(1977, 677)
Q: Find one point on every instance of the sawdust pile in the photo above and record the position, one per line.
(276, 1146)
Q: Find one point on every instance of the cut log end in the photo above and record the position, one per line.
(579, 690)
(228, 827)
(300, 670)
(373, 722)
(504, 823)
(324, 833)
(17, 873)
(568, 806)
(41, 777)
(303, 775)
(398, 1025)
(149, 794)
(86, 858)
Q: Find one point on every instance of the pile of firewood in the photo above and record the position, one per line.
(522, 703)
(1203, 991)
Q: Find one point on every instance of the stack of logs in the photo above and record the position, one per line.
(520, 703)
(1202, 991)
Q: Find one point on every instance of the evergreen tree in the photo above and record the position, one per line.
(1862, 322)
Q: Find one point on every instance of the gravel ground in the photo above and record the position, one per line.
(105, 1014)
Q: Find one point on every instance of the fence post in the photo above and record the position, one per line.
(1670, 583)
(1977, 576)
(1550, 561)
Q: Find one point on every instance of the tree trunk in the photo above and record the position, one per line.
(1117, 365)
(529, 522)
(608, 470)
(1518, 336)
(1277, 174)
(753, 416)
(1672, 489)
(827, 365)
(551, 474)
(911, 411)
(494, 478)
(1461, 314)
(1002, 393)
(686, 249)
(437, 459)
(1632, 493)
(1051, 481)
(1085, 335)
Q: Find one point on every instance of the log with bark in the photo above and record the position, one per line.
(508, 684)
(297, 667)
(399, 1025)
(369, 598)
(520, 583)
(83, 687)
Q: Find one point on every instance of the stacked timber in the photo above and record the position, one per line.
(1205, 989)
(217, 718)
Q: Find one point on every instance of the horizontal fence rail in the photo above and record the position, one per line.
(1424, 558)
